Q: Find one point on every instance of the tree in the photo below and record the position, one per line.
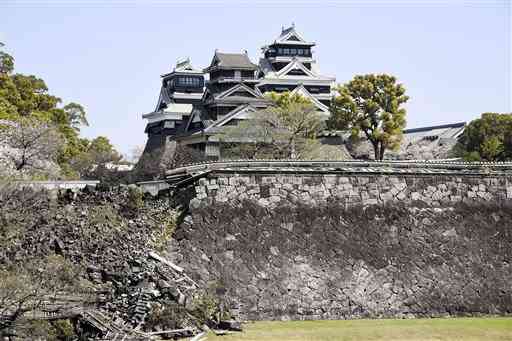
(372, 105)
(95, 156)
(26, 289)
(487, 138)
(6, 62)
(76, 115)
(31, 144)
(27, 96)
(283, 130)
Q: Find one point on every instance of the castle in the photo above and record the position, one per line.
(192, 110)
(194, 105)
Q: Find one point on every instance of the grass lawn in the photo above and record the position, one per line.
(450, 329)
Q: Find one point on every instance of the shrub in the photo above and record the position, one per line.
(134, 201)
(167, 315)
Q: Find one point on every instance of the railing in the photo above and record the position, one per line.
(350, 166)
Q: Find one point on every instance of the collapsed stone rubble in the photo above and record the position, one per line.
(117, 252)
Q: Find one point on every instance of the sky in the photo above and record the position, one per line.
(453, 56)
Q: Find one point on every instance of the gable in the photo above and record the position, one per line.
(295, 68)
(240, 113)
(241, 93)
(301, 90)
(293, 37)
(240, 90)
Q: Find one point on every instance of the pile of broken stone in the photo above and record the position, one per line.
(129, 279)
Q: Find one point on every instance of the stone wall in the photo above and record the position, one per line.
(272, 190)
(304, 246)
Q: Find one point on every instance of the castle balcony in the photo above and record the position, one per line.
(233, 79)
(187, 95)
(287, 59)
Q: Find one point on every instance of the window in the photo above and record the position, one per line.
(293, 52)
(280, 50)
(189, 81)
(300, 52)
(286, 51)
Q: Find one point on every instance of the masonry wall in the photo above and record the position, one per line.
(271, 190)
(315, 247)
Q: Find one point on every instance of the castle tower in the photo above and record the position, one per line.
(180, 95)
(288, 65)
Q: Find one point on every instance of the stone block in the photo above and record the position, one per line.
(263, 202)
(415, 196)
(368, 202)
(274, 198)
(212, 187)
(386, 196)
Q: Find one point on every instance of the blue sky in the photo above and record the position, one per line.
(454, 57)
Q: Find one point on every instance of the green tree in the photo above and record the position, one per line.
(76, 115)
(371, 104)
(487, 138)
(95, 156)
(6, 62)
(27, 96)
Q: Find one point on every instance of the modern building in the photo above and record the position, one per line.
(193, 112)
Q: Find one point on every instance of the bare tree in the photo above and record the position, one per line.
(28, 290)
(30, 143)
(284, 130)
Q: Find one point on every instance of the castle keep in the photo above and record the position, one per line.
(195, 104)
(192, 109)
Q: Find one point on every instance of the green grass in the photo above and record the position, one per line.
(450, 329)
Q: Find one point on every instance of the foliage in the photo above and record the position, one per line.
(205, 306)
(62, 330)
(25, 288)
(94, 158)
(372, 105)
(104, 215)
(134, 202)
(168, 226)
(167, 316)
(487, 138)
(26, 98)
(281, 131)
(6, 62)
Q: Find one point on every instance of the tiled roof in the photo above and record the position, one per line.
(234, 60)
